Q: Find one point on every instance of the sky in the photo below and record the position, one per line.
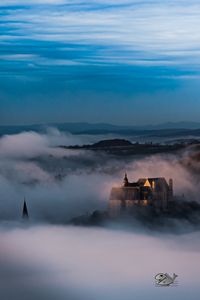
(122, 62)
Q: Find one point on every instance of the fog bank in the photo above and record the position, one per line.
(59, 183)
(44, 262)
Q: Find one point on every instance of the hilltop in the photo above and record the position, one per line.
(125, 147)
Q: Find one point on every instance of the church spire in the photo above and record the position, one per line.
(25, 215)
(126, 180)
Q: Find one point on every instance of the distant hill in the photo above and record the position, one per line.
(106, 127)
(112, 143)
(176, 125)
(122, 147)
(180, 128)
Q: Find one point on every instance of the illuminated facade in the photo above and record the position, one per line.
(156, 192)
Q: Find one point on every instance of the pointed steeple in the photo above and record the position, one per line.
(125, 180)
(25, 215)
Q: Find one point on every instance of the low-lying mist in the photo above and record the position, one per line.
(47, 262)
(60, 183)
(52, 262)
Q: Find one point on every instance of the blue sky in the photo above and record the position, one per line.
(122, 62)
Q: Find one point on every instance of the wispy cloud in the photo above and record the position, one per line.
(147, 33)
(20, 57)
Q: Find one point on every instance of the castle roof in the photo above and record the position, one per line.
(133, 190)
(142, 181)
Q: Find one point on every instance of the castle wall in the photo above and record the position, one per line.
(155, 191)
(114, 207)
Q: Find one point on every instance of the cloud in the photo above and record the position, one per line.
(51, 262)
(19, 57)
(60, 184)
(32, 144)
(168, 166)
(126, 32)
(31, 2)
(25, 279)
(24, 144)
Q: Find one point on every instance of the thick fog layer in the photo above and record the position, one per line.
(60, 183)
(78, 263)
(55, 262)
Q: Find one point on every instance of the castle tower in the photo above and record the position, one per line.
(125, 181)
(25, 215)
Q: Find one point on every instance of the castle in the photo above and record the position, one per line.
(155, 192)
